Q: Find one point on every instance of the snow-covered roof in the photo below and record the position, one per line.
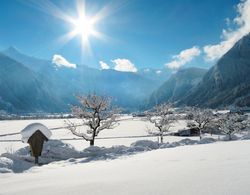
(28, 131)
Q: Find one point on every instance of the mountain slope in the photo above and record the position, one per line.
(21, 90)
(226, 83)
(127, 89)
(177, 85)
(34, 64)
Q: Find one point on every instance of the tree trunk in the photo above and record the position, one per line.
(92, 142)
(161, 139)
(200, 133)
(230, 137)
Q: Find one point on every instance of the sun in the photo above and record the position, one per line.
(85, 27)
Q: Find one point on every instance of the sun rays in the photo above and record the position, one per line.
(82, 22)
(84, 27)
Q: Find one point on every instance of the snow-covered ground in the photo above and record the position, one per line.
(219, 168)
(123, 165)
(128, 127)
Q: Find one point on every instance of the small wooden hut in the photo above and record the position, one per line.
(188, 132)
(35, 134)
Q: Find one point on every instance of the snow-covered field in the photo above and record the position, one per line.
(190, 168)
(128, 127)
(219, 168)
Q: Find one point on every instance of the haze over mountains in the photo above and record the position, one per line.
(28, 84)
(178, 85)
(21, 89)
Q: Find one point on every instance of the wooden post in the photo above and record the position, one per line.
(36, 160)
(35, 135)
(36, 143)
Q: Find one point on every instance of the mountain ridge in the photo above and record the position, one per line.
(177, 85)
(63, 84)
(227, 82)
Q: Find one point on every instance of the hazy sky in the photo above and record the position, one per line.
(141, 33)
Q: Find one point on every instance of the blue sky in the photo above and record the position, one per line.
(146, 33)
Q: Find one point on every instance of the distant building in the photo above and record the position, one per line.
(188, 132)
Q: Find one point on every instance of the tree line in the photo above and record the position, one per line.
(96, 113)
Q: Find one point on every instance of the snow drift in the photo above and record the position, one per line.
(56, 150)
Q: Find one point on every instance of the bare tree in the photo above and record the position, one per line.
(231, 123)
(96, 114)
(201, 119)
(162, 117)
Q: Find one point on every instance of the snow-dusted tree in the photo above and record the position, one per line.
(188, 114)
(162, 117)
(231, 123)
(96, 114)
(201, 119)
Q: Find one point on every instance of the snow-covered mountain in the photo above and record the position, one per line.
(226, 83)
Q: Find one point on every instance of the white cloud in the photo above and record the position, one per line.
(124, 65)
(229, 36)
(183, 57)
(103, 65)
(61, 61)
(158, 72)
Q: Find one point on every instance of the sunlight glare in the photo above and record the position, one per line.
(84, 27)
